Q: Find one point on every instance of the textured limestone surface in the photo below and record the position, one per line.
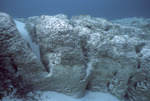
(137, 22)
(80, 53)
(116, 54)
(62, 55)
(18, 65)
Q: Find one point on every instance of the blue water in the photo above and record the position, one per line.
(110, 9)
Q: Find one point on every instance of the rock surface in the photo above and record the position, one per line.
(16, 58)
(134, 22)
(114, 53)
(61, 54)
(80, 53)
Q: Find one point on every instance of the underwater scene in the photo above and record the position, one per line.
(81, 50)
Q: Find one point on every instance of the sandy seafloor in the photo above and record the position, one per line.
(54, 96)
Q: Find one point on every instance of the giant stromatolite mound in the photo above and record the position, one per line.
(62, 55)
(114, 52)
(16, 59)
(78, 54)
(139, 83)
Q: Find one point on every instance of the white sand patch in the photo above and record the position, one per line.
(21, 28)
(54, 96)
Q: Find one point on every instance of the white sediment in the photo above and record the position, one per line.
(54, 96)
(23, 32)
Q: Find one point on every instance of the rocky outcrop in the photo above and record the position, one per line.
(134, 22)
(110, 50)
(61, 54)
(16, 58)
(139, 83)
(78, 54)
(114, 54)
